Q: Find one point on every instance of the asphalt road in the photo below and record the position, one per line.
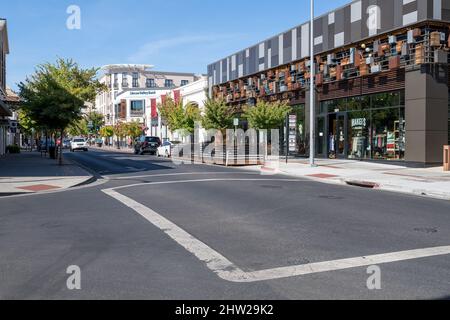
(192, 213)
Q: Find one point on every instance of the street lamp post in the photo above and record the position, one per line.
(312, 92)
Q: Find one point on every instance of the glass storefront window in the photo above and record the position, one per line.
(364, 127)
(358, 135)
(388, 134)
(386, 99)
(297, 131)
(321, 135)
(353, 103)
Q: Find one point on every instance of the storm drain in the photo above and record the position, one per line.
(362, 184)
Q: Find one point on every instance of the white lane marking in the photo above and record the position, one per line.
(179, 174)
(229, 271)
(224, 268)
(335, 265)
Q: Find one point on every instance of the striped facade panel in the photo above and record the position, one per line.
(358, 20)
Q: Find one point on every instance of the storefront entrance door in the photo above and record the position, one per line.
(337, 129)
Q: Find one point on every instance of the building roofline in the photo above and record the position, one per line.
(308, 22)
(172, 73)
(127, 66)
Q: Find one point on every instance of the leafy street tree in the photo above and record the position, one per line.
(266, 115)
(55, 94)
(218, 115)
(179, 117)
(96, 119)
(26, 123)
(107, 132)
(120, 131)
(191, 116)
(134, 130)
(78, 128)
(173, 113)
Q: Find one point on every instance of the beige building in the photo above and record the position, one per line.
(127, 80)
(5, 112)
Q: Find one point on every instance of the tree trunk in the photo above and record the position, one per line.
(61, 148)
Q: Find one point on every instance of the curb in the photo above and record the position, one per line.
(377, 186)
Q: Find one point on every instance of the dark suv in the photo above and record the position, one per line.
(147, 145)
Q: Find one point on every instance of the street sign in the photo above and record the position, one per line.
(236, 122)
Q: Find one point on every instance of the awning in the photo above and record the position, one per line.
(4, 110)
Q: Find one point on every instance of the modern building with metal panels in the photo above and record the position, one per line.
(381, 76)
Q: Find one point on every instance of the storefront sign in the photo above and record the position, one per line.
(142, 93)
(361, 122)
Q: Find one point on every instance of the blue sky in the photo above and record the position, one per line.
(173, 35)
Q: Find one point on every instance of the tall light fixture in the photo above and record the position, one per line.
(312, 140)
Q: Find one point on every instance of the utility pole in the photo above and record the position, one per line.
(312, 151)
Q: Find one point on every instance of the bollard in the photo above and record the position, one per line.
(446, 158)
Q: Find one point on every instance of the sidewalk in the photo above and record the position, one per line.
(28, 172)
(431, 182)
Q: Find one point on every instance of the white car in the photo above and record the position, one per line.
(79, 144)
(166, 149)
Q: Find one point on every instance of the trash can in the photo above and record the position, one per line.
(446, 158)
(52, 152)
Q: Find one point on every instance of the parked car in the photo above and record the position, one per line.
(66, 144)
(147, 145)
(167, 148)
(79, 144)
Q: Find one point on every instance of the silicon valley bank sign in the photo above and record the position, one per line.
(142, 93)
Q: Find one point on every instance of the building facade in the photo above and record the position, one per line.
(124, 80)
(194, 92)
(381, 77)
(5, 111)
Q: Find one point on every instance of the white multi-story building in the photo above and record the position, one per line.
(195, 92)
(5, 112)
(131, 88)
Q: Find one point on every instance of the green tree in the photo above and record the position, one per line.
(26, 123)
(180, 117)
(134, 130)
(55, 94)
(172, 113)
(107, 132)
(96, 119)
(120, 131)
(218, 115)
(266, 115)
(191, 116)
(78, 128)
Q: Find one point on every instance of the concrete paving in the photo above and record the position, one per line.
(29, 172)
